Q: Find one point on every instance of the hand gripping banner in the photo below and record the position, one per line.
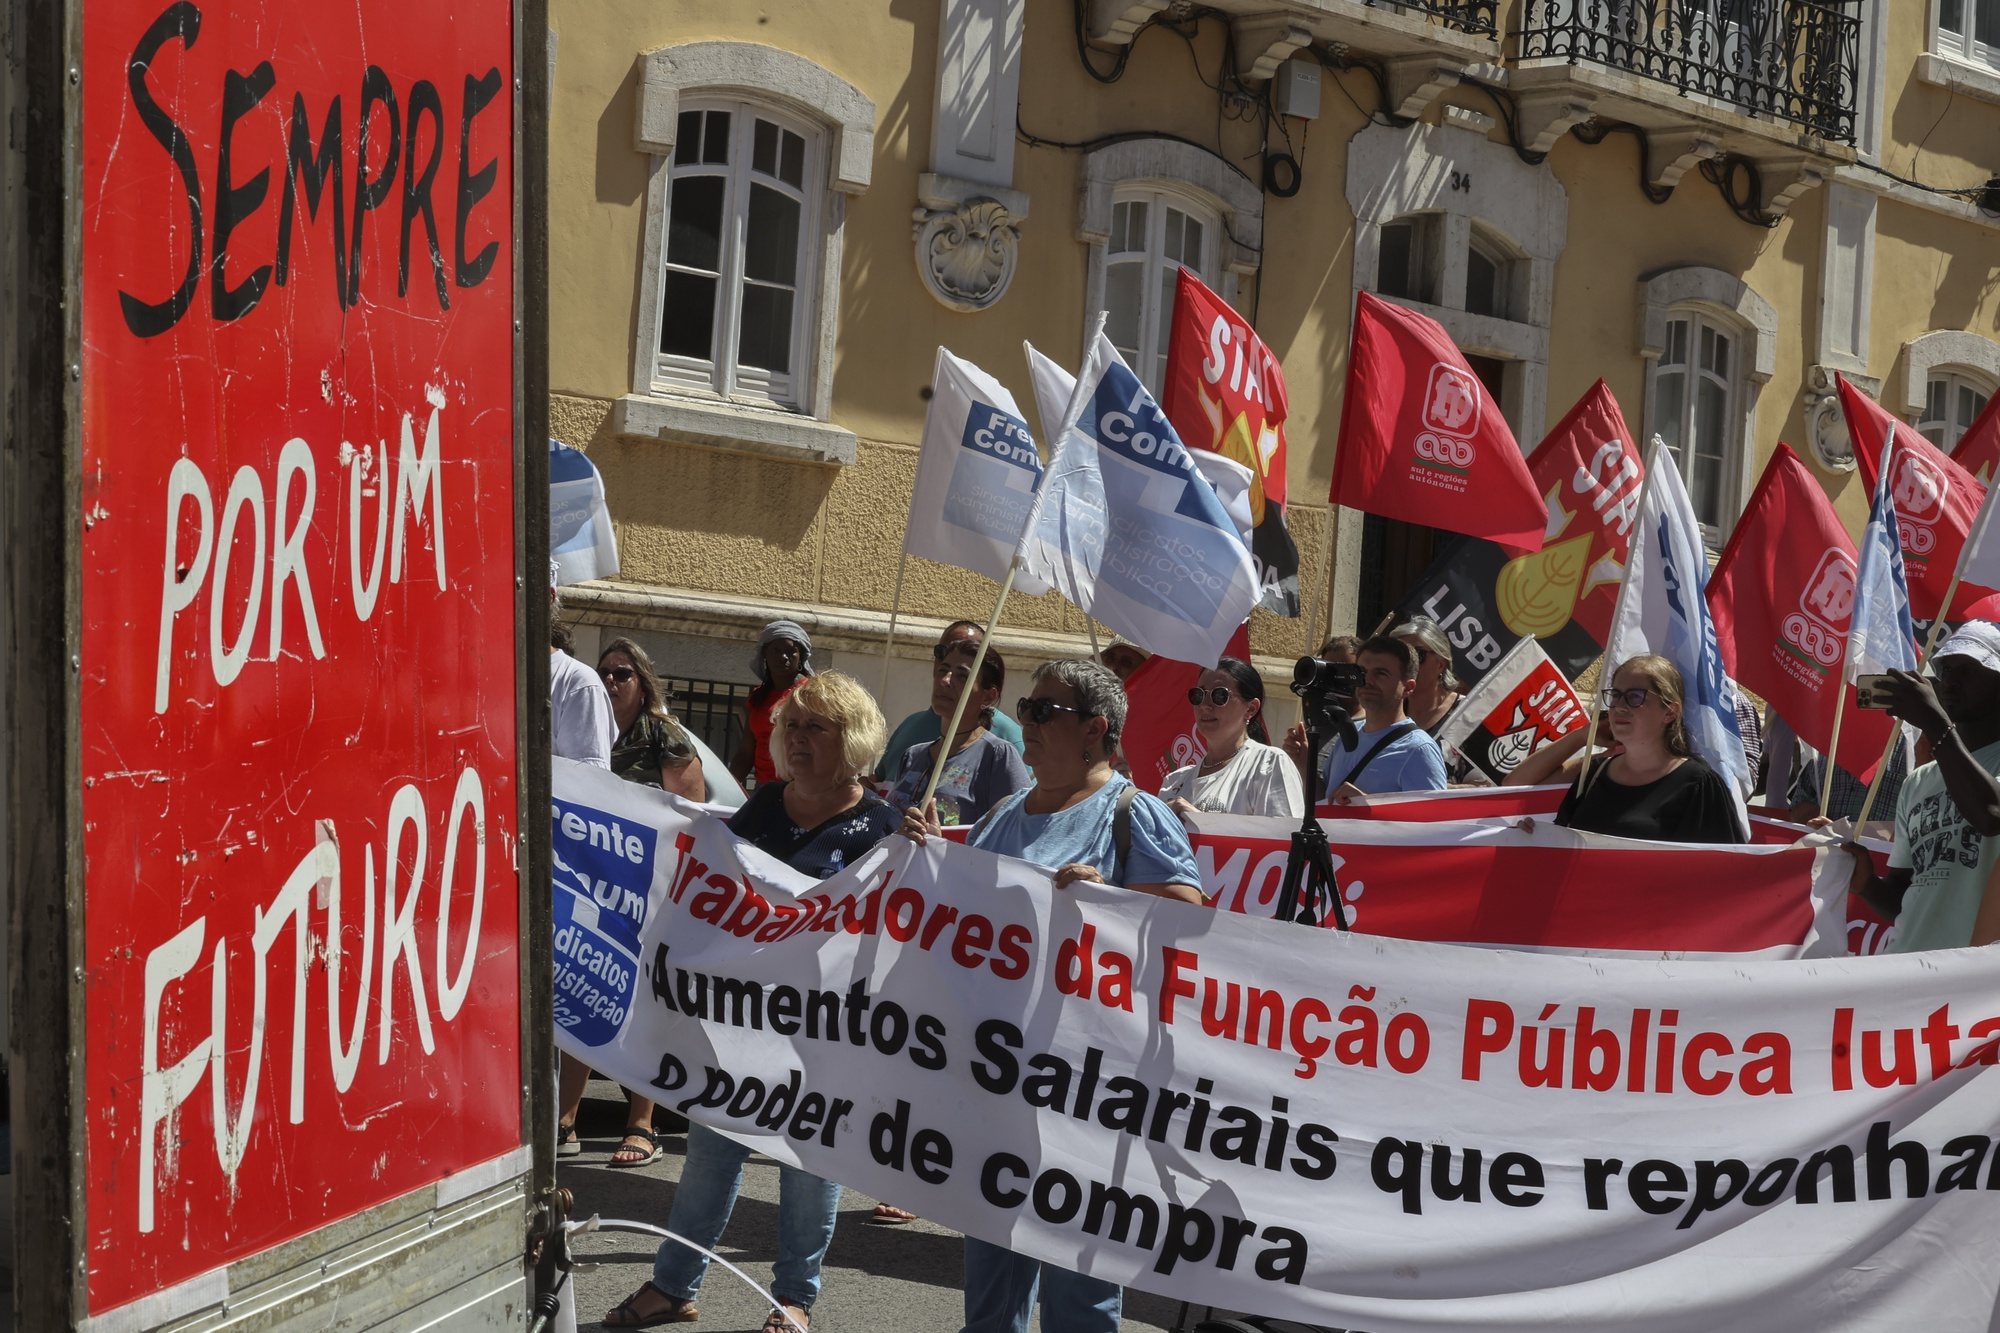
(1342, 1129)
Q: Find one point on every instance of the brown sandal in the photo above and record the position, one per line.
(774, 1322)
(627, 1314)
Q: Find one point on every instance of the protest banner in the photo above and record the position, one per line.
(1130, 531)
(1936, 501)
(1420, 438)
(1487, 599)
(1340, 1128)
(581, 540)
(297, 741)
(1225, 392)
(1514, 710)
(1781, 597)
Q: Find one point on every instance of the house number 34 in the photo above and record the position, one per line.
(1461, 181)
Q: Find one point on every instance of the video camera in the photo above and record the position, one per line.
(1327, 691)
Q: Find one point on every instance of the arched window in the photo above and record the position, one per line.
(1155, 233)
(1953, 400)
(1692, 404)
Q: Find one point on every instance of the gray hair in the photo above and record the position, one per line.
(1431, 635)
(1097, 692)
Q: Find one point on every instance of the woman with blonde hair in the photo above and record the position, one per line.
(1653, 785)
(818, 818)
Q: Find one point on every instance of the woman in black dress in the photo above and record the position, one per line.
(1652, 786)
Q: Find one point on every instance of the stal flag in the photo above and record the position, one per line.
(1171, 572)
(1978, 450)
(1519, 706)
(1663, 609)
(581, 541)
(1588, 472)
(1422, 441)
(1781, 597)
(1225, 393)
(976, 475)
(1935, 501)
(1159, 722)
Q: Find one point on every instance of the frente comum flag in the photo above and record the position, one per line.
(1421, 440)
(1936, 501)
(1781, 597)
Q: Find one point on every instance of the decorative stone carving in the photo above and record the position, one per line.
(968, 244)
(1826, 422)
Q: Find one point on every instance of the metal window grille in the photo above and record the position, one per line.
(711, 709)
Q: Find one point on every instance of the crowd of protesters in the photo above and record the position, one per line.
(828, 780)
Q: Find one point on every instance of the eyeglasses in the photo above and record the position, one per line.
(617, 675)
(1041, 712)
(939, 650)
(1632, 698)
(1218, 696)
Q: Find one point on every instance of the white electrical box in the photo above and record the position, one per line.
(1295, 89)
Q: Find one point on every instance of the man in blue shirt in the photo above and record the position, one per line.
(1391, 753)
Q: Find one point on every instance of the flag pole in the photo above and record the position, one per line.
(1070, 414)
(1833, 747)
(895, 608)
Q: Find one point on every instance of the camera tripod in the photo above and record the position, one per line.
(1310, 891)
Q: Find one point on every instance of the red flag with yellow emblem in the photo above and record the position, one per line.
(1225, 393)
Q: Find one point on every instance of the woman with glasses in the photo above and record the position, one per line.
(979, 766)
(818, 818)
(1652, 785)
(1087, 825)
(1240, 771)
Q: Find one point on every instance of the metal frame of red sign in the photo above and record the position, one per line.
(188, 791)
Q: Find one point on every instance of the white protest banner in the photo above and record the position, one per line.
(976, 475)
(1338, 1128)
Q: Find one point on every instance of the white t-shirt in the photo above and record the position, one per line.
(1258, 780)
(581, 726)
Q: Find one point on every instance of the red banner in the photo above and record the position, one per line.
(1978, 450)
(1422, 441)
(1781, 596)
(298, 638)
(1936, 500)
(1518, 707)
(1225, 392)
(1589, 473)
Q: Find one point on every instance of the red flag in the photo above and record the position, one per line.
(1159, 722)
(1781, 596)
(1936, 500)
(1422, 441)
(1978, 450)
(1225, 393)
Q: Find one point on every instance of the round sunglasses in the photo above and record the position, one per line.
(1217, 695)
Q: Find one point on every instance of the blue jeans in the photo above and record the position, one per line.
(1000, 1294)
(710, 1179)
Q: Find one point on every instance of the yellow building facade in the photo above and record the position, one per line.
(765, 219)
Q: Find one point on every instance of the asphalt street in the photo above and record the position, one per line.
(878, 1279)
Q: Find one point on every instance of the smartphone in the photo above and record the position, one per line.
(1871, 691)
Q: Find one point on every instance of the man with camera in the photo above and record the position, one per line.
(1941, 869)
(1390, 752)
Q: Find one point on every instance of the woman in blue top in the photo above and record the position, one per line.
(1067, 823)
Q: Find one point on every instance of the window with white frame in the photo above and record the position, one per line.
(1692, 405)
(1952, 402)
(1155, 233)
(737, 268)
(1969, 30)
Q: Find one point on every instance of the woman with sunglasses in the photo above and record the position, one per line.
(1652, 785)
(1079, 822)
(979, 766)
(1240, 771)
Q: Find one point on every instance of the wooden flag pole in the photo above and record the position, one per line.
(950, 732)
(895, 608)
(1833, 749)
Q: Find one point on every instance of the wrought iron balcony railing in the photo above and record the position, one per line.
(1473, 16)
(1790, 60)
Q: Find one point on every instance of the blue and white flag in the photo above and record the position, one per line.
(580, 538)
(1161, 562)
(976, 475)
(1663, 608)
(1880, 636)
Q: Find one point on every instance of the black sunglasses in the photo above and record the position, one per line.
(1041, 712)
(1218, 695)
(617, 675)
